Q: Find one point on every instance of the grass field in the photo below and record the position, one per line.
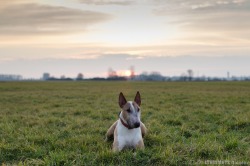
(64, 123)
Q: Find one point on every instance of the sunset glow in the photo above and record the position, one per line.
(89, 36)
(124, 73)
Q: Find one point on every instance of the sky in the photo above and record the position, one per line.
(67, 37)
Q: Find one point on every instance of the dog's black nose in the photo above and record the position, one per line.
(137, 124)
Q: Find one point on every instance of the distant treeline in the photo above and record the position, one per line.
(154, 76)
(10, 77)
(94, 79)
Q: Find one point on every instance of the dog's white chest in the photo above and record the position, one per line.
(126, 137)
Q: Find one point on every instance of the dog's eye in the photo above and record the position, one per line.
(128, 110)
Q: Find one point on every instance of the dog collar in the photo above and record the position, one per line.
(124, 124)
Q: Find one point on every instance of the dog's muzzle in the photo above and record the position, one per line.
(137, 124)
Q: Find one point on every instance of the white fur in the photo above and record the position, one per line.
(127, 137)
(133, 108)
(131, 105)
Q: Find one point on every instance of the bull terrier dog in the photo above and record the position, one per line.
(128, 130)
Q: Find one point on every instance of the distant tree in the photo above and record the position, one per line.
(63, 77)
(190, 74)
(183, 77)
(46, 76)
(132, 72)
(117, 78)
(10, 77)
(98, 79)
(155, 76)
(79, 76)
(111, 73)
(142, 77)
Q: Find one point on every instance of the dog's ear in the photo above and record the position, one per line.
(122, 100)
(138, 98)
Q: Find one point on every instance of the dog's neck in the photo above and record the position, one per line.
(122, 121)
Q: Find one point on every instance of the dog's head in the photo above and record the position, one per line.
(131, 110)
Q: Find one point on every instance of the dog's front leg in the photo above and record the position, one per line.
(116, 147)
(143, 129)
(140, 145)
(110, 132)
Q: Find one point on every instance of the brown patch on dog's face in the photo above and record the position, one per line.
(131, 114)
(125, 113)
(136, 106)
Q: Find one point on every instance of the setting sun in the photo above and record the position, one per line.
(124, 73)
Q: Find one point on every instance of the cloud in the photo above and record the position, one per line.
(218, 19)
(168, 7)
(31, 18)
(4, 3)
(106, 2)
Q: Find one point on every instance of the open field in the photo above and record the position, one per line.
(64, 123)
